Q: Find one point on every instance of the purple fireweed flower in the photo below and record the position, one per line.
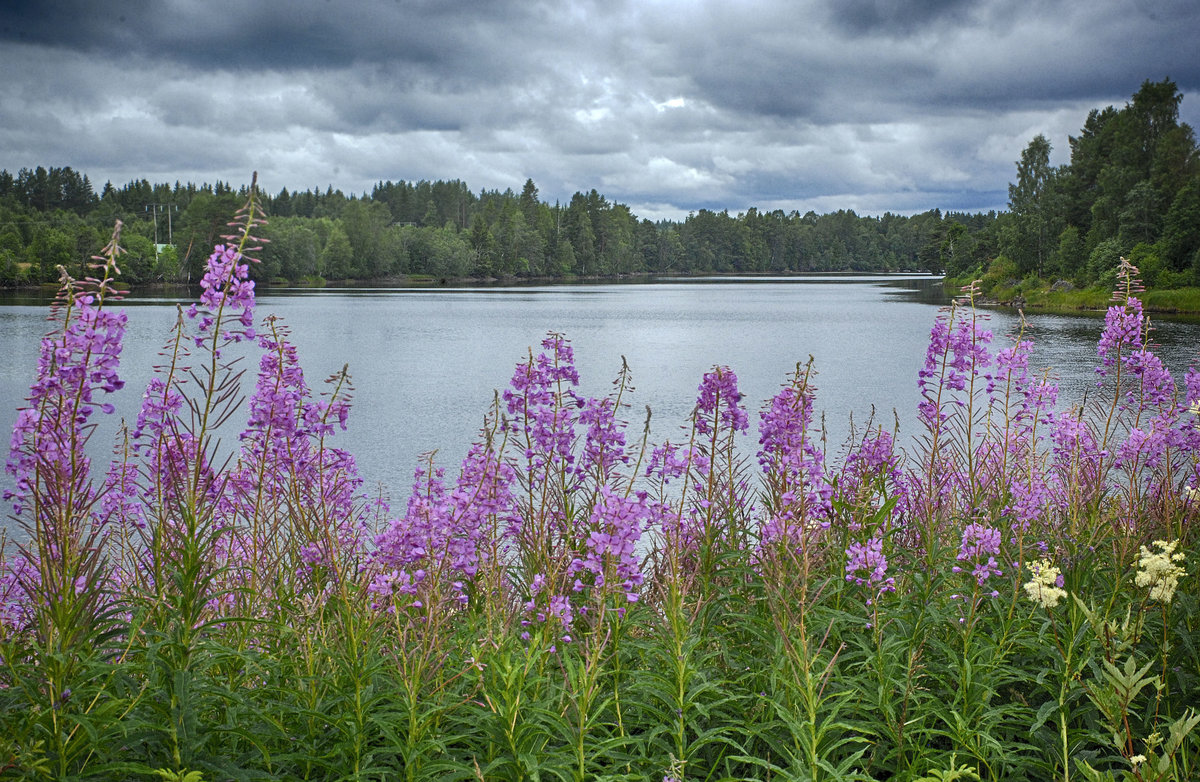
(75, 364)
(443, 528)
(1035, 398)
(874, 455)
(542, 402)
(393, 586)
(928, 376)
(1041, 397)
(424, 528)
(798, 494)
(227, 294)
(19, 580)
(546, 608)
(168, 449)
(604, 443)
(286, 473)
(786, 446)
(979, 547)
(121, 505)
(610, 550)
(1033, 497)
(1191, 381)
(867, 565)
(1140, 447)
(54, 497)
(1124, 326)
(162, 403)
(954, 394)
(1012, 367)
(482, 502)
(871, 472)
(279, 405)
(720, 400)
(1156, 387)
(275, 446)
(969, 352)
(1074, 443)
(175, 453)
(670, 461)
(957, 352)
(561, 609)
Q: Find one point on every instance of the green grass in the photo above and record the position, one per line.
(1039, 297)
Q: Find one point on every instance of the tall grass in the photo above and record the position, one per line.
(1010, 597)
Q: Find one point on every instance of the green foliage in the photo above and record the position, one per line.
(138, 262)
(1031, 223)
(952, 774)
(1002, 273)
(1180, 241)
(443, 230)
(179, 776)
(1131, 180)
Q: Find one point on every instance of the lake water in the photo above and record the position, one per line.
(426, 362)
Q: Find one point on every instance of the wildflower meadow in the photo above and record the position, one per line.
(1011, 595)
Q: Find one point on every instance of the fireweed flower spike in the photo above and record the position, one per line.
(226, 286)
(718, 493)
(76, 362)
(611, 546)
(1045, 588)
(541, 402)
(872, 475)
(720, 398)
(1125, 324)
(978, 550)
(1160, 570)
(793, 467)
(54, 495)
(867, 565)
(952, 388)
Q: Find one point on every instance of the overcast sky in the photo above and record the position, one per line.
(669, 107)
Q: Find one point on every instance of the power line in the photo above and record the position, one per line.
(168, 208)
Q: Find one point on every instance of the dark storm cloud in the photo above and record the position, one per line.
(75, 24)
(948, 56)
(666, 105)
(297, 33)
(894, 17)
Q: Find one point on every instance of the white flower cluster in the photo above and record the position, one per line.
(1160, 570)
(1045, 588)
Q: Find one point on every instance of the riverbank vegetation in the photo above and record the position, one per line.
(1131, 189)
(1011, 596)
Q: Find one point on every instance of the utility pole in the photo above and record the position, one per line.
(155, 209)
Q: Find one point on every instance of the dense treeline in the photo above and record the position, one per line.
(51, 217)
(1131, 188)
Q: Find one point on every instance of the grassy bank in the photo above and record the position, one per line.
(1056, 297)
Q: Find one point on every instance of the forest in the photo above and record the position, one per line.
(1131, 189)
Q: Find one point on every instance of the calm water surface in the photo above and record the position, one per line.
(425, 363)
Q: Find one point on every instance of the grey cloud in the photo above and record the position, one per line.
(869, 104)
(896, 17)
